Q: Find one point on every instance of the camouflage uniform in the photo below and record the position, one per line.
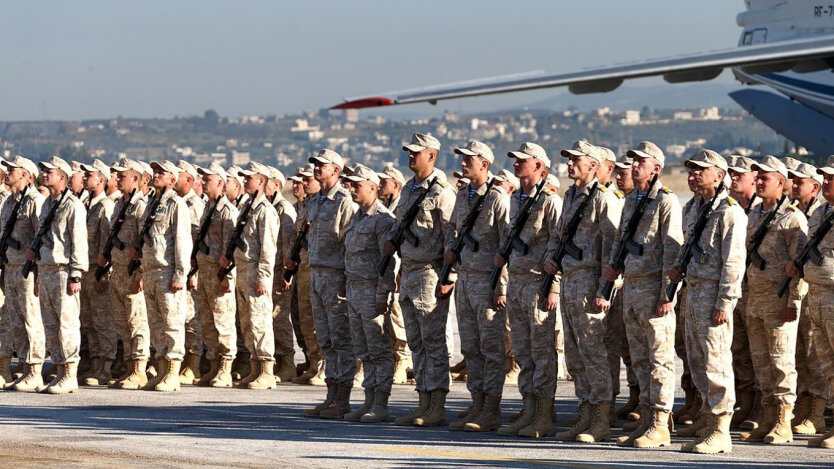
(690, 216)
(217, 310)
(95, 306)
(772, 340)
(63, 256)
(365, 235)
(424, 315)
(819, 303)
(282, 300)
(302, 289)
(650, 337)
(10, 324)
(585, 353)
(714, 283)
(399, 341)
(166, 257)
(193, 330)
(480, 325)
(328, 215)
(742, 362)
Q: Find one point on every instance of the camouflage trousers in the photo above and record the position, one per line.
(193, 328)
(533, 333)
(24, 311)
(305, 314)
(708, 348)
(370, 335)
(217, 313)
(166, 314)
(772, 345)
(330, 312)
(585, 353)
(281, 324)
(820, 311)
(481, 328)
(399, 341)
(651, 340)
(810, 377)
(425, 320)
(742, 362)
(255, 313)
(680, 340)
(97, 318)
(130, 315)
(616, 345)
(61, 314)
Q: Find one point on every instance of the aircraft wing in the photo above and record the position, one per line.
(800, 55)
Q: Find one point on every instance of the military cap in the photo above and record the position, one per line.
(648, 150)
(420, 142)
(476, 148)
(771, 164)
(706, 159)
(530, 150)
(20, 162)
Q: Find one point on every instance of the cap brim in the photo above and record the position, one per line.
(825, 170)
(465, 151)
(797, 174)
(10, 164)
(413, 147)
(86, 167)
(43, 165)
(569, 153)
(294, 178)
(246, 172)
(737, 169)
(700, 164)
(519, 155)
(636, 153)
(763, 167)
(622, 165)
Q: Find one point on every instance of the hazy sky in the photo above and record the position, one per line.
(97, 59)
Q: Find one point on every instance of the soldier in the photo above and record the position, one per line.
(368, 294)
(297, 189)
(585, 326)
(460, 180)
(811, 384)
(648, 315)
(10, 325)
(215, 297)
(327, 215)
(61, 260)
(186, 182)
(234, 187)
(714, 286)
(255, 263)
(165, 256)
(96, 297)
(21, 303)
(819, 301)
(772, 321)
(112, 189)
(391, 183)
(147, 175)
(791, 164)
(425, 315)
(129, 311)
(238, 197)
(76, 183)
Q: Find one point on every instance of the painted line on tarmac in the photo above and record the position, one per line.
(484, 457)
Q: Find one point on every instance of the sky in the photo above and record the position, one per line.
(99, 59)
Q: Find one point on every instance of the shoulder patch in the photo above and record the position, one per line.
(731, 201)
(548, 191)
(619, 194)
(666, 190)
(601, 187)
(793, 207)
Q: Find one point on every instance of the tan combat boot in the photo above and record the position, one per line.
(58, 375)
(285, 370)
(316, 411)
(171, 380)
(304, 378)
(631, 405)
(190, 373)
(513, 370)
(582, 423)
(95, 366)
(542, 424)
(400, 371)
(356, 415)
(436, 415)
(68, 382)
(825, 440)
(815, 421)
(698, 428)
(643, 413)
(162, 365)
(472, 413)
(32, 380)
(599, 429)
(643, 424)
(6, 379)
(528, 414)
(657, 434)
(744, 404)
(768, 422)
(694, 411)
(254, 372)
(422, 407)
(265, 378)
(781, 432)
(341, 402)
(214, 367)
(100, 375)
(688, 400)
(718, 439)
(379, 411)
(489, 418)
(756, 416)
(138, 377)
(802, 409)
(223, 378)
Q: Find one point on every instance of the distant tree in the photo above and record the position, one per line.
(211, 117)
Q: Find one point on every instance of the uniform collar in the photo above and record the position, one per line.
(331, 194)
(97, 199)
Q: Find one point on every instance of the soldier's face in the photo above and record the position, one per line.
(92, 179)
(624, 181)
(232, 188)
(16, 175)
(325, 171)
(828, 188)
(52, 177)
(126, 181)
(769, 185)
(213, 185)
(803, 189)
(76, 183)
(741, 182)
(642, 169)
(525, 168)
(297, 189)
(604, 172)
(419, 161)
(473, 165)
(579, 167)
(387, 186)
(254, 182)
(163, 179)
(184, 182)
(311, 186)
(363, 192)
(704, 178)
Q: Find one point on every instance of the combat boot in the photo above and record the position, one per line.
(698, 428)
(643, 424)
(644, 413)
(137, 377)
(190, 373)
(781, 432)
(422, 407)
(206, 378)
(694, 411)
(304, 378)
(718, 439)
(612, 414)
(657, 434)
(688, 401)
(285, 371)
(341, 402)
(92, 371)
(356, 415)
(472, 414)
(254, 372)
(316, 411)
(101, 375)
(436, 415)
(318, 378)
(360, 373)
(582, 423)
(756, 416)
(265, 378)
(6, 380)
(542, 424)
(379, 411)
(400, 371)
(241, 367)
(599, 429)
(705, 428)
(802, 409)
(223, 378)
(458, 368)
(31, 381)
(513, 370)
(825, 440)
(489, 418)
(768, 422)
(68, 382)
(162, 365)
(814, 422)
(528, 414)
(631, 405)
(171, 380)
(745, 407)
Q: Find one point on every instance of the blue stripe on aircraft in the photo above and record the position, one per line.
(804, 84)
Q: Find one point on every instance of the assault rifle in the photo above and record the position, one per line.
(809, 252)
(236, 241)
(43, 229)
(146, 229)
(113, 237)
(464, 237)
(295, 254)
(6, 240)
(403, 232)
(753, 256)
(627, 245)
(564, 243)
(200, 242)
(513, 241)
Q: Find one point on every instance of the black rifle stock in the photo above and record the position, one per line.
(146, 229)
(403, 232)
(6, 241)
(809, 252)
(113, 237)
(753, 256)
(43, 229)
(464, 237)
(200, 242)
(242, 220)
(295, 254)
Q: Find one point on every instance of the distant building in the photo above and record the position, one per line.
(240, 158)
(631, 118)
(682, 116)
(351, 115)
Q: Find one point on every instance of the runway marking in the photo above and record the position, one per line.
(484, 457)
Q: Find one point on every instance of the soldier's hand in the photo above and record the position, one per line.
(101, 287)
(224, 286)
(664, 307)
(260, 290)
(443, 291)
(498, 260)
(289, 264)
(101, 260)
(601, 305)
(285, 285)
(223, 261)
(551, 267)
(675, 275)
(450, 257)
(137, 285)
(389, 249)
(191, 284)
(791, 270)
(73, 288)
(720, 317)
(551, 302)
(380, 308)
(789, 314)
(31, 255)
(134, 254)
(176, 286)
(610, 274)
(500, 302)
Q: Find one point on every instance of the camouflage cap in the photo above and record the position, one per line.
(391, 172)
(507, 176)
(24, 163)
(214, 168)
(805, 170)
(126, 164)
(553, 180)
(476, 148)
(741, 164)
(187, 168)
(771, 164)
(607, 154)
(420, 142)
(55, 162)
(76, 167)
(255, 168)
(706, 159)
(234, 173)
(146, 168)
(275, 173)
(648, 150)
(625, 162)
(583, 148)
(97, 166)
(166, 167)
(328, 156)
(530, 150)
(363, 173)
(791, 163)
(307, 170)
